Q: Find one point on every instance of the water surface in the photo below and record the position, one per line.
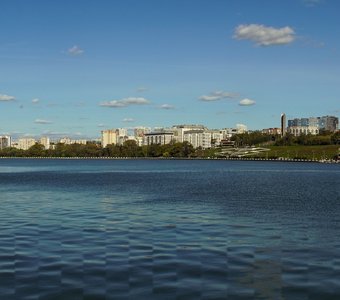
(169, 229)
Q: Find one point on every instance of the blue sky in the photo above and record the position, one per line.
(76, 67)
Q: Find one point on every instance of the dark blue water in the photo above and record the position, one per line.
(149, 229)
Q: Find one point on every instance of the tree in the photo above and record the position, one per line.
(36, 150)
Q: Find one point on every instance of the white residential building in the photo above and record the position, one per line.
(198, 138)
(81, 141)
(108, 137)
(140, 131)
(25, 143)
(45, 141)
(216, 137)
(179, 130)
(298, 130)
(228, 133)
(160, 138)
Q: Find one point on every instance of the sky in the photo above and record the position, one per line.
(74, 68)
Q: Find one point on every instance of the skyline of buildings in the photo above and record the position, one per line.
(195, 134)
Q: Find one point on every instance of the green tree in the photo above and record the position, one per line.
(36, 150)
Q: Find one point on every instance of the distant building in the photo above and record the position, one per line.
(5, 141)
(198, 138)
(299, 130)
(312, 125)
(179, 130)
(25, 143)
(216, 137)
(79, 141)
(283, 125)
(274, 131)
(65, 140)
(159, 138)
(227, 133)
(108, 137)
(45, 141)
(140, 131)
(329, 123)
(241, 128)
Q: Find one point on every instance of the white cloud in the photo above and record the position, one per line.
(128, 120)
(101, 125)
(167, 106)
(142, 89)
(265, 36)
(311, 3)
(125, 102)
(247, 102)
(75, 50)
(41, 121)
(218, 95)
(4, 97)
(35, 100)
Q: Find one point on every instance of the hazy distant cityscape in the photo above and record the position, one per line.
(199, 136)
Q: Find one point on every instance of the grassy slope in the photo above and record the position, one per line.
(305, 152)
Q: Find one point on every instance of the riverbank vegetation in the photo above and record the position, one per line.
(128, 149)
(311, 147)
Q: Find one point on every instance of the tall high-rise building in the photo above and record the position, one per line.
(329, 123)
(5, 141)
(109, 137)
(283, 124)
(45, 141)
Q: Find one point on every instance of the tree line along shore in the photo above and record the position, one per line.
(324, 146)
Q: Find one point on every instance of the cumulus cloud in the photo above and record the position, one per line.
(218, 95)
(265, 36)
(246, 102)
(4, 97)
(35, 100)
(125, 102)
(41, 121)
(75, 50)
(128, 120)
(167, 106)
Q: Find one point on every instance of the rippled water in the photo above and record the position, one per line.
(150, 229)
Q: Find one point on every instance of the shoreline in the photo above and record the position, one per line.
(179, 158)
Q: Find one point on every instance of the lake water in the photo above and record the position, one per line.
(169, 229)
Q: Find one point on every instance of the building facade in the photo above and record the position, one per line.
(108, 137)
(5, 142)
(274, 131)
(198, 138)
(159, 138)
(25, 143)
(283, 125)
(312, 125)
(45, 141)
(179, 130)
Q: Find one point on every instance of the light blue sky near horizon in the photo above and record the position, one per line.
(170, 54)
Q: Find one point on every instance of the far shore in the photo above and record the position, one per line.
(180, 158)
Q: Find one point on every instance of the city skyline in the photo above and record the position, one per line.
(76, 68)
